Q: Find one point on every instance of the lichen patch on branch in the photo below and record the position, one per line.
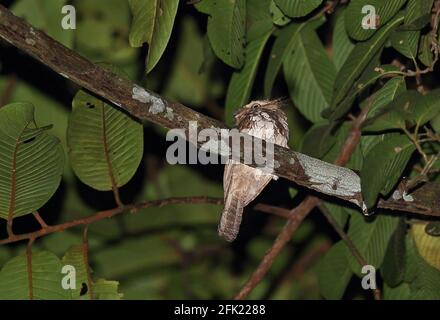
(157, 105)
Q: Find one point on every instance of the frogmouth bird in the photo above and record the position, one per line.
(263, 119)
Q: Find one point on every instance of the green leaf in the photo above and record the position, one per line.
(105, 145)
(342, 44)
(240, 86)
(31, 162)
(371, 74)
(278, 17)
(425, 54)
(393, 88)
(107, 290)
(418, 14)
(102, 289)
(356, 159)
(152, 23)
(359, 59)
(393, 269)
(384, 10)
(427, 245)
(310, 75)
(371, 239)
(383, 166)
(258, 19)
(46, 278)
(339, 213)
(46, 16)
(75, 257)
(282, 46)
(435, 123)
(423, 279)
(406, 42)
(226, 29)
(334, 272)
(297, 8)
(408, 109)
(318, 140)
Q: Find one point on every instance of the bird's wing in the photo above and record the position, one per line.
(249, 182)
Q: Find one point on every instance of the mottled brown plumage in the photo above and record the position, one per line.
(242, 184)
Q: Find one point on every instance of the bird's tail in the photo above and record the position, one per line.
(231, 218)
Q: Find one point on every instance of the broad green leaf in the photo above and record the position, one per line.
(258, 19)
(339, 213)
(356, 159)
(46, 278)
(284, 45)
(395, 114)
(297, 8)
(278, 17)
(393, 268)
(428, 246)
(102, 289)
(334, 272)
(46, 16)
(226, 29)
(318, 140)
(75, 257)
(371, 74)
(393, 88)
(435, 123)
(153, 22)
(310, 75)
(408, 109)
(240, 86)
(406, 42)
(371, 239)
(107, 290)
(359, 11)
(105, 145)
(425, 53)
(423, 279)
(359, 59)
(31, 162)
(418, 14)
(383, 166)
(342, 44)
(428, 108)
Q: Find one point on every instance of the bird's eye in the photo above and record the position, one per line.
(257, 105)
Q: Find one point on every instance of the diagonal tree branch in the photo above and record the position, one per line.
(147, 106)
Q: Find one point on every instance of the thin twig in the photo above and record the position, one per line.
(109, 214)
(297, 215)
(40, 220)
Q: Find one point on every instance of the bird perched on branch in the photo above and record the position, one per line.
(263, 119)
